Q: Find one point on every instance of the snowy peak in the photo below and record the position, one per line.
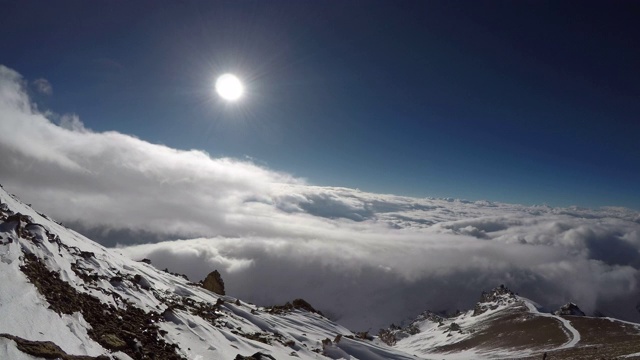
(449, 328)
(494, 299)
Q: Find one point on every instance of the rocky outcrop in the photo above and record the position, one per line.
(569, 309)
(304, 305)
(256, 356)
(125, 328)
(300, 304)
(213, 282)
(493, 299)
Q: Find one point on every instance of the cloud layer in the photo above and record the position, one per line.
(365, 259)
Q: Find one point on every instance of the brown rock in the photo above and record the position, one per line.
(213, 282)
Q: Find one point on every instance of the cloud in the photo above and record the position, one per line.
(366, 259)
(372, 278)
(72, 122)
(42, 86)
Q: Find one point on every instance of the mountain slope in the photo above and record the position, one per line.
(504, 325)
(64, 296)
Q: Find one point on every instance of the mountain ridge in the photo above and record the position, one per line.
(505, 325)
(63, 289)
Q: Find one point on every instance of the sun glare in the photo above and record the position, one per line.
(229, 87)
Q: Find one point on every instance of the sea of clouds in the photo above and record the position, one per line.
(364, 259)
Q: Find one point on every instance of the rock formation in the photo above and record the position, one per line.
(569, 309)
(213, 282)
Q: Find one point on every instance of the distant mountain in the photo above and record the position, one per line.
(63, 296)
(505, 325)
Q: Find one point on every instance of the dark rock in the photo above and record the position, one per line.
(113, 342)
(491, 300)
(364, 335)
(110, 326)
(141, 281)
(256, 356)
(47, 349)
(569, 309)
(302, 304)
(213, 282)
(87, 255)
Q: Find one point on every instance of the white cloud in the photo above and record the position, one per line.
(72, 122)
(43, 86)
(370, 259)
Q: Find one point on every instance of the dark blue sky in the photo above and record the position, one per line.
(516, 101)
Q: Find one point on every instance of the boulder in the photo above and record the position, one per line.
(213, 282)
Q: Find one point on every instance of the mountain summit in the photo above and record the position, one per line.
(569, 309)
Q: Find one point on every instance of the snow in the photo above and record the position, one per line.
(9, 350)
(433, 335)
(360, 350)
(25, 313)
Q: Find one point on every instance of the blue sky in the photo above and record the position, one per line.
(526, 102)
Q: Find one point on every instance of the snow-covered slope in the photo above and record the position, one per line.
(62, 294)
(505, 325)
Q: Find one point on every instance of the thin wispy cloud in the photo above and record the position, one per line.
(366, 259)
(43, 86)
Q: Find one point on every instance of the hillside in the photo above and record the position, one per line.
(64, 296)
(505, 325)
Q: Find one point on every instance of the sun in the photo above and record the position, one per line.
(229, 87)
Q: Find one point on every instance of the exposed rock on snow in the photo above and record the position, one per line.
(569, 309)
(114, 328)
(493, 299)
(256, 356)
(47, 349)
(213, 282)
(290, 306)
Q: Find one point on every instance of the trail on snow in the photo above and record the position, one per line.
(575, 335)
